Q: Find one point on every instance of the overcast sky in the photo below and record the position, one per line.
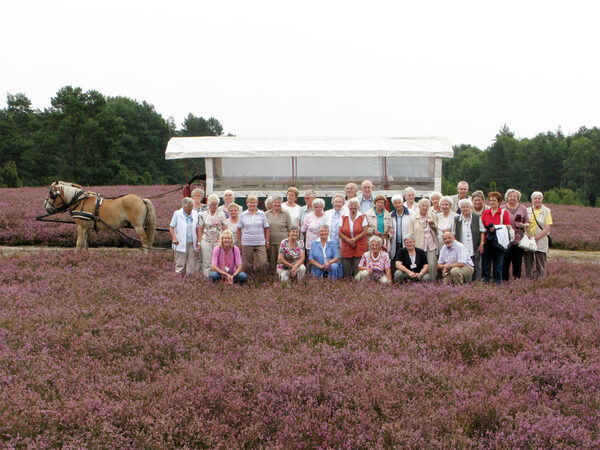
(456, 69)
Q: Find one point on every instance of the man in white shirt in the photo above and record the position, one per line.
(454, 261)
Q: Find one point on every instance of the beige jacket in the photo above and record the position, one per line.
(417, 230)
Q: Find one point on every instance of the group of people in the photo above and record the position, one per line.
(455, 239)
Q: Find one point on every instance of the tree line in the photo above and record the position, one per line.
(92, 139)
(565, 168)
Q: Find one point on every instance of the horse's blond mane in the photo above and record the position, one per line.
(69, 190)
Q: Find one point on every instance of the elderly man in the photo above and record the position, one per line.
(351, 189)
(184, 235)
(470, 232)
(366, 197)
(463, 190)
(454, 261)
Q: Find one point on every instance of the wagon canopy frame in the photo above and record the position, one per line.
(262, 166)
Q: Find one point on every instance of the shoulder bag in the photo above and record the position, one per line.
(550, 245)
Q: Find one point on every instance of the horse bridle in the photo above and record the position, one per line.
(56, 192)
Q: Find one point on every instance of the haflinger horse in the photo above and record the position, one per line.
(90, 210)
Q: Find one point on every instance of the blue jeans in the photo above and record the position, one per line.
(492, 255)
(240, 278)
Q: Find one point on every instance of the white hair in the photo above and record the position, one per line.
(324, 226)
(274, 197)
(409, 236)
(375, 239)
(212, 198)
(537, 194)
(338, 196)
(228, 191)
(397, 197)
(445, 198)
(200, 190)
(465, 201)
(318, 201)
(354, 200)
(186, 201)
(409, 189)
(463, 183)
(424, 201)
(366, 181)
(310, 193)
(512, 191)
(435, 194)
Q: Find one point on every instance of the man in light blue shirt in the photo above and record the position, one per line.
(366, 198)
(454, 261)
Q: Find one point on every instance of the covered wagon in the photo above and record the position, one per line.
(266, 166)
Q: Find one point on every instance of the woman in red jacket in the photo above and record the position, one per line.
(353, 234)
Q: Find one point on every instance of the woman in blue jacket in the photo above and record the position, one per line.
(325, 256)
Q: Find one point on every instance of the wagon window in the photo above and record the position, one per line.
(333, 168)
(411, 167)
(264, 168)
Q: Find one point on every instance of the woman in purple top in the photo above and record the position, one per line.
(520, 222)
(253, 236)
(226, 262)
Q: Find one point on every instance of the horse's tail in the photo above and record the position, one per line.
(150, 222)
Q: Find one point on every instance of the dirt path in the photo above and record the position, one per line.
(5, 252)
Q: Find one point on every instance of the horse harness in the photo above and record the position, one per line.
(81, 214)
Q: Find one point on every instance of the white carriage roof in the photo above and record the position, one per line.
(235, 147)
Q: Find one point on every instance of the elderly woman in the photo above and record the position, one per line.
(226, 261)
(211, 224)
(291, 206)
(411, 264)
(325, 256)
(423, 227)
(253, 235)
(279, 227)
(333, 218)
(409, 197)
(184, 236)
(353, 234)
(470, 232)
(519, 220)
(540, 222)
(312, 222)
(198, 196)
(234, 211)
(309, 197)
(379, 221)
(400, 221)
(228, 199)
(478, 200)
(375, 264)
(445, 218)
(492, 254)
(291, 256)
(435, 198)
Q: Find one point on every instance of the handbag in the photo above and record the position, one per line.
(511, 231)
(550, 245)
(528, 244)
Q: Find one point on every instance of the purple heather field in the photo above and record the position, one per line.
(575, 227)
(114, 350)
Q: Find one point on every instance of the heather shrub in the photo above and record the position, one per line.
(115, 350)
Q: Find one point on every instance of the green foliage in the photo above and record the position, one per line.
(91, 139)
(563, 196)
(9, 176)
(566, 167)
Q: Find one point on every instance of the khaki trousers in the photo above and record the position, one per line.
(458, 275)
(254, 258)
(186, 260)
(540, 263)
